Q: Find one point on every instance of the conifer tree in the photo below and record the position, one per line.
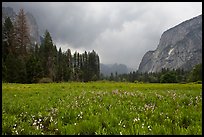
(22, 34)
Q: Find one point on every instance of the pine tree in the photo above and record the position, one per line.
(47, 51)
(59, 66)
(33, 69)
(22, 34)
(8, 38)
(68, 61)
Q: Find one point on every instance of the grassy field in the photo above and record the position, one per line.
(101, 108)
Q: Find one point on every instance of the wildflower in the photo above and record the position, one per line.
(124, 126)
(142, 125)
(33, 117)
(22, 129)
(120, 133)
(34, 123)
(149, 128)
(136, 119)
(120, 122)
(51, 119)
(41, 126)
(16, 132)
(15, 125)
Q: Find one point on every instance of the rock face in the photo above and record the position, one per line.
(179, 47)
(32, 24)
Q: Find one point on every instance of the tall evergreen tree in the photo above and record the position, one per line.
(22, 34)
(59, 66)
(47, 55)
(8, 38)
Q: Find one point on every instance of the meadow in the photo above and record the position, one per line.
(101, 108)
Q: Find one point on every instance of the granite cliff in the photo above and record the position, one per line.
(179, 47)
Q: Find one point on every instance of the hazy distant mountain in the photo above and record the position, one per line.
(107, 69)
(179, 47)
(32, 24)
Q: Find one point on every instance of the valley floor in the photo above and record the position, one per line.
(101, 108)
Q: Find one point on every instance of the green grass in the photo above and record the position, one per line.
(101, 108)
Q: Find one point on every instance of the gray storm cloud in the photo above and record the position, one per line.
(118, 32)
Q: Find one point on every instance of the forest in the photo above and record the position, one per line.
(165, 76)
(24, 61)
(27, 62)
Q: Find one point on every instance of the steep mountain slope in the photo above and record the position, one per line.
(179, 47)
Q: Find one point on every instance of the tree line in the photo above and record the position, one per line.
(27, 62)
(165, 76)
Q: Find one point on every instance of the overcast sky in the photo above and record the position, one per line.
(119, 32)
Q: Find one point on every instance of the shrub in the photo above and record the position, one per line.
(168, 78)
(136, 81)
(198, 82)
(45, 80)
(182, 82)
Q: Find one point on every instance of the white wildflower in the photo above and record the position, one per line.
(22, 129)
(149, 127)
(120, 122)
(51, 119)
(142, 125)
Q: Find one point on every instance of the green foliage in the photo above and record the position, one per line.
(198, 82)
(165, 76)
(196, 73)
(34, 69)
(45, 80)
(168, 78)
(101, 108)
(46, 61)
(32, 61)
(15, 69)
